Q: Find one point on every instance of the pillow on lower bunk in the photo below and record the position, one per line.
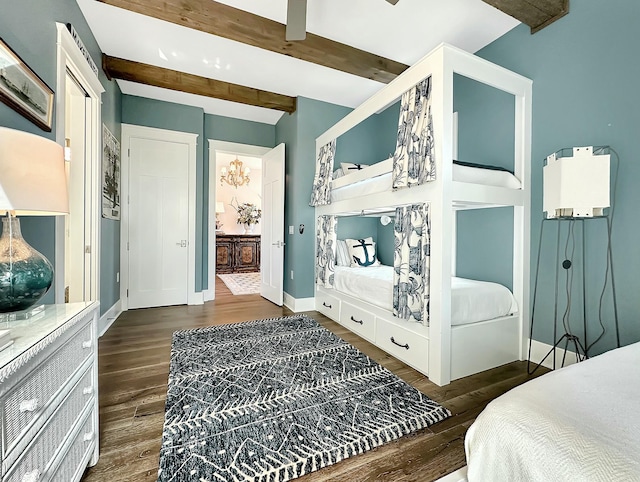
(342, 253)
(362, 252)
(348, 167)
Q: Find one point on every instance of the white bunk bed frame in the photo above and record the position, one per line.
(440, 351)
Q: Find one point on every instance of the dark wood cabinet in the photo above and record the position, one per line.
(237, 253)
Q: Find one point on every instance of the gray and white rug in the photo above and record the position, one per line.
(242, 283)
(271, 400)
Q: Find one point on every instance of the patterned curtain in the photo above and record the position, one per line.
(321, 191)
(326, 250)
(411, 261)
(414, 159)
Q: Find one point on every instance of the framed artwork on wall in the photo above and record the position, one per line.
(23, 90)
(110, 175)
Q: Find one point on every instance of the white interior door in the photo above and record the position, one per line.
(158, 222)
(272, 240)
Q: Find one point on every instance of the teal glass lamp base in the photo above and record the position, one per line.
(25, 274)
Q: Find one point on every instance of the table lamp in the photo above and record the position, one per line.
(32, 183)
(219, 210)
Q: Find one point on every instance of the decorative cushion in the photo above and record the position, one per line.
(348, 167)
(362, 252)
(338, 173)
(342, 253)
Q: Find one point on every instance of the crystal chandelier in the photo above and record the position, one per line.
(236, 175)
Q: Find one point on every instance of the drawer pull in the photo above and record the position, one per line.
(32, 476)
(360, 322)
(29, 405)
(88, 437)
(406, 345)
(326, 305)
(87, 344)
(87, 391)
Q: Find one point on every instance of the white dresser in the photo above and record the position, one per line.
(49, 395)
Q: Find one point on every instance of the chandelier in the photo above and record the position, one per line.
(236, 175)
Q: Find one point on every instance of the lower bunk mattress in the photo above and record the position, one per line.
(578, 423)
(471, 301)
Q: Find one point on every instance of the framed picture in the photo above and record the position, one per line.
(23, 90)
(110, 175)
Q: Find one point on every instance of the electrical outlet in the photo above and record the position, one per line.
(291, 274)
(290, 229)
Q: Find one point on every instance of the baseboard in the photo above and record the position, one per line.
(539, 350)
(111, 315)
(209, 295)
(196, 298)
(459, 475)
(299, 304)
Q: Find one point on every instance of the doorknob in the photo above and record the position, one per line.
(279, 244)
(182, 243)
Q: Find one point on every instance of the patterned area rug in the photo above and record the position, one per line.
(272, 400)
(242, 283)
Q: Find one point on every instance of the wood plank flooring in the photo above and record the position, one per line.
(134, 365)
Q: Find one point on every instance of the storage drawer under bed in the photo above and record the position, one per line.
(406, 345)
(328, 305)
(359, 321)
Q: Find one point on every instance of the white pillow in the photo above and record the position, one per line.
(348, 167)
(338, 173)
(362, 252)
(342, 253)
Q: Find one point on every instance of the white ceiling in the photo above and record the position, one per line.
(404, 33)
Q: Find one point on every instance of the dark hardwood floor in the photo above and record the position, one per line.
(134, 365)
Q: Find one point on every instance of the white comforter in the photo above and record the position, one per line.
(579, 423)
(471, 300)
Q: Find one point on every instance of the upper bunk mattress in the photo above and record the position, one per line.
(580, 422)
(471, 300)
(381, 183)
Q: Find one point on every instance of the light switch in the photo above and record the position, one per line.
(290, 229)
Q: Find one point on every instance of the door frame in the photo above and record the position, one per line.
(70, 58)
(152, 133)
(226, 148)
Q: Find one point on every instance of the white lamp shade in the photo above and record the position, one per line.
(219, 207)
(32, 175)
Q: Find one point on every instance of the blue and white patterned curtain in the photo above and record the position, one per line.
(321, 190)
(414, 159)
(411, 262)
(326, 250)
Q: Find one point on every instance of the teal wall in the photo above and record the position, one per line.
(28, 27)
(367, 143)
(584, 69)
(177, 117)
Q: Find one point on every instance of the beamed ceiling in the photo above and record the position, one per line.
(231, 57)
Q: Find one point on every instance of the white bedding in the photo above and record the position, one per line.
(381, 183)
(471, 301)
(579, 423)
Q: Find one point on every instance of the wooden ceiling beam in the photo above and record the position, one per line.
(117, 68)
(537, 14)
(232, 23)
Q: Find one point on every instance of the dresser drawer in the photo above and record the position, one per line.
(328, 305)
(410, 347)
(359, 321)
(75, 460)
(38, 456)
(29, 399)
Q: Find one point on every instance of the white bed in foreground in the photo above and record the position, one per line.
(579, 423)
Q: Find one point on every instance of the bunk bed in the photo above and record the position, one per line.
(422, 329)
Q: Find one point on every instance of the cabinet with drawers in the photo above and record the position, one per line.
(49, 396)
(237, 253)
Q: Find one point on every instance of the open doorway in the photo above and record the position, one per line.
(241, 252)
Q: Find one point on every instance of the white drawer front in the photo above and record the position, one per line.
(74, 461)
(328, 305)
(39, 454)
(28, 400)
(406, 345)
(359, 321)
